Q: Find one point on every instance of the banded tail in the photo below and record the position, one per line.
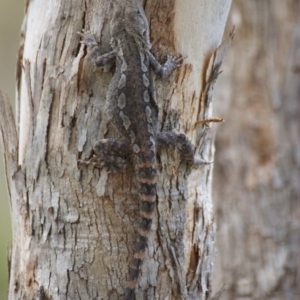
(145, 169)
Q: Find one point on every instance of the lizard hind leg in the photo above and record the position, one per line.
(110, 153)
(181, 142)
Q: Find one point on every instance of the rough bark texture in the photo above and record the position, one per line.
(74, 226)
(256, 175)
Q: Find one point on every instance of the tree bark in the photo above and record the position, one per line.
(256, 175)
(73, 225)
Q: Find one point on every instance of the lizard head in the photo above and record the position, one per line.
(129, 16)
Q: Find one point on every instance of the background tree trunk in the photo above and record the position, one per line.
(73, 226)
(257, 174)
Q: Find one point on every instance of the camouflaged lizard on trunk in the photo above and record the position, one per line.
(132, 108)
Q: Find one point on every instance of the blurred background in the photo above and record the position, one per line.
(11, 15)
(256, 181)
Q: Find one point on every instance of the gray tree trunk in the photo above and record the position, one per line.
(257, 166)
(74, 226)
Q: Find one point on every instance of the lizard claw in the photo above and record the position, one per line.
(88, 37)
(179, 59)
(175, 61)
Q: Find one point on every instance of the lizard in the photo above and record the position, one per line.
(132, 109)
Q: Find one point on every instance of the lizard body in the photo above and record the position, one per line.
(132, 108)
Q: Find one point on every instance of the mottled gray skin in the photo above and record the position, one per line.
(132, 108)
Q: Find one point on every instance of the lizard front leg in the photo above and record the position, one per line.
(165, 70)
(93, 50)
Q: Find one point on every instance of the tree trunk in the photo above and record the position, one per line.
(73, 225)
(256, 175)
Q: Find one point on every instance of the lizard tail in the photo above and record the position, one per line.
(146, 176)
